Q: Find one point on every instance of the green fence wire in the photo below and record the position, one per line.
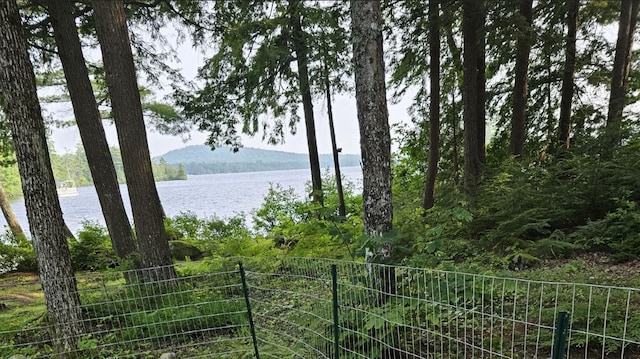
(318, 308)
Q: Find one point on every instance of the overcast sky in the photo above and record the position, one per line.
(344, 109)
(346, 123)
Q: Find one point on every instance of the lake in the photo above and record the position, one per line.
(221, 195)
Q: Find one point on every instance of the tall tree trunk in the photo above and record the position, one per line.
(569, 73)
(473, 93)
(342, 210)
(481, 87)
(456, 56)
(454, 125)
(621, 68)
(89, 123)
(375, 138)
(520, 88)
(371, 102)
(300, 46)
(434, 103)
(120, 75)
(9, 216)
(18, 86)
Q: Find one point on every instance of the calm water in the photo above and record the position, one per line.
(221, 195)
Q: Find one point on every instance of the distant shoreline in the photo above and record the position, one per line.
(199, 168)
(274, 170)
(202, 160)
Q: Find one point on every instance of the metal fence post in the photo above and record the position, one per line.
(252, 327)
(560, 336)
(336, 327)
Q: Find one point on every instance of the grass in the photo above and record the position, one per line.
(21, 300)
(131, 319)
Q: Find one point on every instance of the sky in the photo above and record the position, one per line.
(345, 118)
(344, 112)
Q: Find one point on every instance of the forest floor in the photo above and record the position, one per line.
(595, 268)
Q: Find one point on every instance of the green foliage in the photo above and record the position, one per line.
(10, 180)
(181, 250)
(429, 238)
(303, 228)
(165, 172)
(91, 249)
(74, 166)
(16, 253)
(219, 238)
(187, 225)
(554, 247)
(618, 233)
(284, 224)
(551, 207)
(278, 210)
(181, 312)
(258, 90)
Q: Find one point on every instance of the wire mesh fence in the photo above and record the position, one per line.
(400, 312)
(317, 308)
(196, 315)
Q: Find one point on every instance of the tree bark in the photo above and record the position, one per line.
(89, 124)
(620, 72)
(434, 103)
(520, 88)
(375, 138)
(473, 93)
(18, 86)
(568, 73)
(9, 216)
(454, 125)
(120, 75)
(300, 46)
(456, 56)
(371, 102)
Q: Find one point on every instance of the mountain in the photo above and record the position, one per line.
(201, 160)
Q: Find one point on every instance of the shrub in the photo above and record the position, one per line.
(92, 249)
(16, 253)
(616, 233)
(182, 250)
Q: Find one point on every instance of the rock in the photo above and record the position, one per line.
(181, 250)
(168, 356)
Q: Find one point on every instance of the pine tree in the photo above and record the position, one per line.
(18, 86)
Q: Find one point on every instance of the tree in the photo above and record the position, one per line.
(6, 151)
(342, 211)
(263, 69)
(621, 67)
(333, 49)
(9, 216)
(89, 124)
(520, 88)
(473, 91)
(301, 52)
(375, 138)
(572, 7)
(18, 86)
(120, 75)
(434, 103)
(371, 101)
